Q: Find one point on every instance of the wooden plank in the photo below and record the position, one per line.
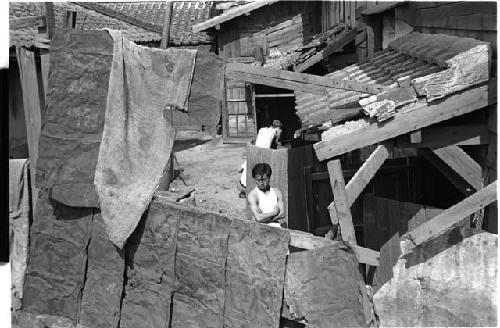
(32, 108)
(416, 136)
(436, 137)
(230, 14)
(30, 21)
(461, 163)
(308, 182)
(166, 24)
(328, 50)
(277, 95)
(404, 122)
(453, 177)
(45, 66)
(444, 221)
(297, 81)
(366, 172)
(381, 7)
(305, 240)
(341, 201)
(492, 119)
(48, 12)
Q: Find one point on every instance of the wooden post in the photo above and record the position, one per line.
(166, 24)
(341, 202)
(48, 12)
(32, 109)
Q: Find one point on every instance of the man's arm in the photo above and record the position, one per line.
(281, 205)
(256, 213)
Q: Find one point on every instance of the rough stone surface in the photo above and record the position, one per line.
(449, 281)
(255, 271)
(21, 319)
(103, 288)
(150, 259)
(200, 268)
(207, 90)
(58, 255)
(325, 288)
(73, 122)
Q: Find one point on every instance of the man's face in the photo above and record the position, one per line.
(262, 181)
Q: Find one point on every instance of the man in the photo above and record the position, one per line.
(268, 137)
(266, 203)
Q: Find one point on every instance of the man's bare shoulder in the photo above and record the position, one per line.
(277, 192)
(252, 195)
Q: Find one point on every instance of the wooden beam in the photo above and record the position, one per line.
(328, 50)
(381, 7)
(462, 164)
(446, 220)
(230, 14)
(404, 122)
(278, 95)
(341, 201)
(166, 24)
(48, 12)
(30, 21)
(458, 182)
(297, 81)
(366, 172)
(32, 109)
(305, 240)
(440, 136)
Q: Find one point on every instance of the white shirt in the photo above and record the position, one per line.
(267, 201)
(265, 137)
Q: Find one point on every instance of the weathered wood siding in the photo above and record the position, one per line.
(476, 20)
(283, 25)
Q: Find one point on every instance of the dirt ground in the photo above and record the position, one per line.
(211, 168)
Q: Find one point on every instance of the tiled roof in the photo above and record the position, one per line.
(185, 15)
(417, 67)
(385, 68)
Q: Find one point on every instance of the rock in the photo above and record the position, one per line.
(324, 288)
(450, 281)
(255, 273)
(55, 273)
(150, 255)
(103, 288)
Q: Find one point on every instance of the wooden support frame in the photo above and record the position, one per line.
(48, 12)
(30, 21)
(436, 137)
(462, 186)
(341, 203)
(366, 172)
(305, 240)
(166, 24)
(32, 109)
(404, 122)
(462, 164)
(230, 14)
(297, 81)
(446, 220)
(331, 47)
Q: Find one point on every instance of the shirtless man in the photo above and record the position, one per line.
(266, 203)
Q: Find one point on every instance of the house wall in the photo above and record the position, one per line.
(284, 26)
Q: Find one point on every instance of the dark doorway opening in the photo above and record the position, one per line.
(276, 104)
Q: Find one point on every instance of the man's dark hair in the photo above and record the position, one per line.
(261, 168)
